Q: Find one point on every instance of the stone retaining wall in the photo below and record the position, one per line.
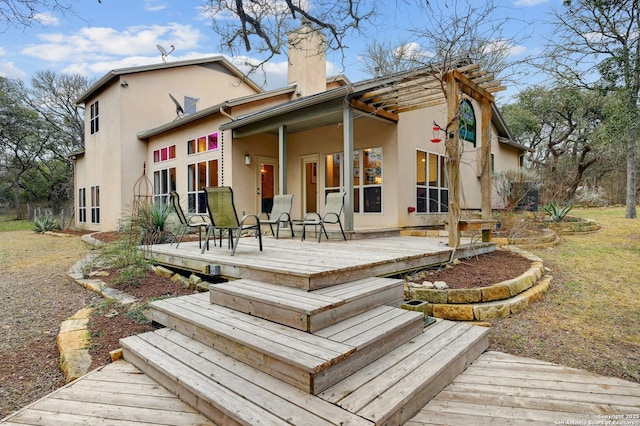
(484, 303)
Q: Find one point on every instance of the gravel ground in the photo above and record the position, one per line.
(35, 297)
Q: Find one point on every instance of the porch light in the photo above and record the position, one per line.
(247, 160)
(436, 130)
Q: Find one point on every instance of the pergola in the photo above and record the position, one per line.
(385, 98)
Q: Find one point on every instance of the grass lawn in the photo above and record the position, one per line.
(8, 223)
(590, 318)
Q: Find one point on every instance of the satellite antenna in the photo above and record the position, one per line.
(164, 51)
(179, 110)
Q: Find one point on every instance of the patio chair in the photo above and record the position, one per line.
(280, 214)
(332, 211)
(223, 216)
(188, 222)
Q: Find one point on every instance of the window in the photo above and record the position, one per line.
(94, 119)
(202, 144)
(95, 204)
(367, 178)
(200, 175)
(82, 205)
(467, 122)
(164, 181)
(164, 154)
(432, 193)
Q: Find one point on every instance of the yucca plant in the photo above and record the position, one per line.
(556, 211)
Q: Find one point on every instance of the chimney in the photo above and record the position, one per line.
(307, 61)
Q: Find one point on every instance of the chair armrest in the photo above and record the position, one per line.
(316, 216)
(254, 216)
(284, 217)
(202, 218)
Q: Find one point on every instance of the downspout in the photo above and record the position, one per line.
(229, 116)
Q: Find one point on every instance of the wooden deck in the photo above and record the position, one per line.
(311, 265)
(497, 389)
(116, 394)
(502, 389)
(309, 334)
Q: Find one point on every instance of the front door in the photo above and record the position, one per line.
(267, 182)
(309, 184)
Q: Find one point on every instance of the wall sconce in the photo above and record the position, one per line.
(247, 159)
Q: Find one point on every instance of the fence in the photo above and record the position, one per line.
(64, 217)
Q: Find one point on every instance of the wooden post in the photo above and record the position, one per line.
(453, 158)
(485, 162)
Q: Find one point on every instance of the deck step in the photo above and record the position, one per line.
(304, 310)
(311, 362)
(224, 390)
(392, 389)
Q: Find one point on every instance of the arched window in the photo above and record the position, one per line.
(467, 122)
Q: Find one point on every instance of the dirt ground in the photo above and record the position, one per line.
(37, 296)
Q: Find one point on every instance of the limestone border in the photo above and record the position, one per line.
(481, 304)
(74, 339)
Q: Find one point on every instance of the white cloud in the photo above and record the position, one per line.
(9, 70)
(528, 3)
(46, 19)
(154, 5)
(96, 44)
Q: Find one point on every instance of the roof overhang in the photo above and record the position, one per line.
(212, 110)
(383, 98)
(115, 74)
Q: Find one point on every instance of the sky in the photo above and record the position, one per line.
(100, 37)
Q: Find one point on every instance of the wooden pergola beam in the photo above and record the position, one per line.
(380, 112)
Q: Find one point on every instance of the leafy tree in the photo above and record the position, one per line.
(563, 126)
(23, 137)
(596, 46)
(40, 127)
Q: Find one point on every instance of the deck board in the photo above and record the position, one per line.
(116, 394)
(311, 265)
(503, 389)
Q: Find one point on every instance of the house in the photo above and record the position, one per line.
(295, 140)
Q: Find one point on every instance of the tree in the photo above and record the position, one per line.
(23, 137)
(39, 128)
(53, 97)
(599, 38)
(386, 58)
(23, 13)
(563, 127)
(458, 35)
(262, 26)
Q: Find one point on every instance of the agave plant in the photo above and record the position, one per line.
(556, 211)
(44, 224)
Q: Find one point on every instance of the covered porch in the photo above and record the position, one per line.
(336, 140)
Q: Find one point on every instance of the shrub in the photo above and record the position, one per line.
(556, 211)
(44, 224)
(591, 196)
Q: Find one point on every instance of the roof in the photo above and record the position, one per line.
(384, 97)
(116, 73)
(214, 109)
